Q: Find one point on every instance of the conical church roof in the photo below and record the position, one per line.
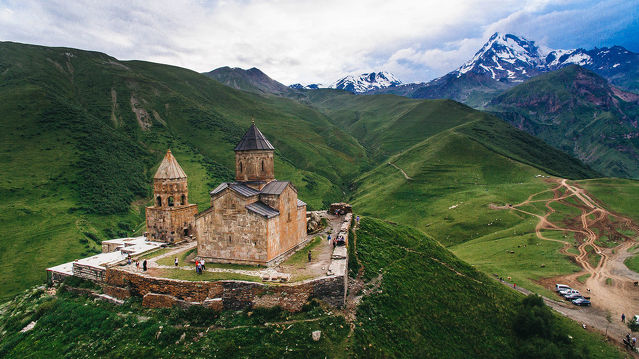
(169, 168)
(253, 140)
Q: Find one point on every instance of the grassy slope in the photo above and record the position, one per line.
(454, 178)
(433, 305)
(74, 157)
(429, 304)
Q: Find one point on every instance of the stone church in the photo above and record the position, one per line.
(254, 220)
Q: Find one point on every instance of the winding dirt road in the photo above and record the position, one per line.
(611, 285)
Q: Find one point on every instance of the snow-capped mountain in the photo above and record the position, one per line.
(506, 60)
(299, 86)
(506, 57)
(366, 82)
(358, 83)
(511, 58)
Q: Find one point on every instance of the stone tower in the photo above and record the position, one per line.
(254, 159)
(171, 217)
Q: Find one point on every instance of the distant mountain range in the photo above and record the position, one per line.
(358, 83)
(506, 60)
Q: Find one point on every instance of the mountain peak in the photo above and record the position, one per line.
(366, 82)
(505, 57)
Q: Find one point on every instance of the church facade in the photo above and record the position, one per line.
(254, 220)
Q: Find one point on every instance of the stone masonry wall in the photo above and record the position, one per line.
(228, 232)
(254, 166)
(233, 295)
(166, 224)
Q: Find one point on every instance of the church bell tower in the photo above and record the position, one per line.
(254, 159)
(171, 217)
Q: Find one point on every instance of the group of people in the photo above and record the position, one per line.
(630, 341)
(199, 266)
(137, 263)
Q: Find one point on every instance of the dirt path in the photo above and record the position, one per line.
(611, 285)
(400, 170)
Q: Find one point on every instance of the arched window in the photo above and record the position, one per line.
(241, 169)
(183, 200)
(159, 200)
(170, 201)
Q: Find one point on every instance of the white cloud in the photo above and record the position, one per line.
(290, 40)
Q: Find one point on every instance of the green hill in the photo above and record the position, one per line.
(82, 133)
(421, 302)
(579, 112)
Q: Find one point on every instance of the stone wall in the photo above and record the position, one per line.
(167, 224)
(228, 232)
(230, 295)
(254, 166)
(89, 272)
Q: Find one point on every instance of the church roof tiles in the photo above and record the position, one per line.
(253, 140)
(275, 187)
(263, 210)
(240, 188)
(169, 168)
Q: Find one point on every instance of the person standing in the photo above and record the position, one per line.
(309, 256)
(176, 261)
(623, 317)
(137, 265)
(329, 238)
(144, 265)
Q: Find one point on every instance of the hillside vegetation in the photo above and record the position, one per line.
(579, 112)
(413, 309)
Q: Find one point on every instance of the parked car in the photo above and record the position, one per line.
(564, 293)
(560, 287)
(573, 296)
(581, 302)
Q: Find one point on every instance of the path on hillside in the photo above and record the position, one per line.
(400, 170)
(611, 285)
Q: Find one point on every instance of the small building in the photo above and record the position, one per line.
(171, 217)
(256, 219)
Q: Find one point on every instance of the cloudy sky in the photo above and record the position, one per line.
(315, 41)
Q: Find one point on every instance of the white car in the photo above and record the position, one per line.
(564, 293)
(560, 287)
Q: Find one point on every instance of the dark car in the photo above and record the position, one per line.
(581, 302)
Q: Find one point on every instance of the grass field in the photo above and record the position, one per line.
(205, 276)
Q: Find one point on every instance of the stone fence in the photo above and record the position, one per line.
(226, 294)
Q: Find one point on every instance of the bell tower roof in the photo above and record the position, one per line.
(254, 140)
(169, 168)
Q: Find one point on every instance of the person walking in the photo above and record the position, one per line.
(203, 264)
(623, 317)
(357, 220)
(137, 265)
(329, 238)
(176, 261)
(144, 265)
(309, 256)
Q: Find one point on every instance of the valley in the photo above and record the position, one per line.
(608, 282)
(79, 148)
